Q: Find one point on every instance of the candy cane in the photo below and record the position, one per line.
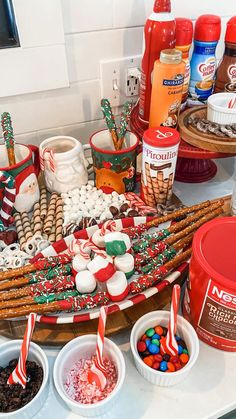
(98, 370)
(138, 204)
(51, 159)
(170, 345)
(8, 198)
(18, 375)
(108, 225)
(79, 246)
(96, 249)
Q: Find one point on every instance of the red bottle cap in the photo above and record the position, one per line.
(230, 35)
(161, 137)
(207, 28)
(183, 31)
(162, 6)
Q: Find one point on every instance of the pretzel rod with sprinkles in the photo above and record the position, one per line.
(33, 278)
(26, 295)
(144, 242)
(65, 302)
(110, 121)
(143, 282)
(154, 247)
(136, 231)
(168, 254)
(124, 120)
(38, 265)
(8, 137)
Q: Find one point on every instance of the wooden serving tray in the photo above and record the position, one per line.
(59, 334)
(200, 139)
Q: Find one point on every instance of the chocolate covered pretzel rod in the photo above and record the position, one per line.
(58, 284)
(67, 302)
(151, 244)
(33, 278)
(144, 243)
(168, 254)
(38, 265)
(136, 231)
(146, 281)
(50, 214)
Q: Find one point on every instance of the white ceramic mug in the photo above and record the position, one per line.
(63, 162)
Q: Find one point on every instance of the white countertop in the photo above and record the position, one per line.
(209, 390)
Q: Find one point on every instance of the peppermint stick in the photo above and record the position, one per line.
(8, 137)
(169, 345)
(33, 278)
(18, 375)
(110, 121)
(67, 302)
(40, 264)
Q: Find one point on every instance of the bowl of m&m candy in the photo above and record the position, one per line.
(152, 361)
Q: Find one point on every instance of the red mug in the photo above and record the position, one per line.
(25, 172)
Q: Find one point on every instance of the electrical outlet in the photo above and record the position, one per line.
(120, 79)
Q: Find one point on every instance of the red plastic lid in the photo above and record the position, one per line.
(183, 31)
(230, 35)
(214, 246)
(162, 6)
(161, 137)
(207, 28)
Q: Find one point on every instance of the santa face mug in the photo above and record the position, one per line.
(25, 173)
(63, 162)
(114, 170)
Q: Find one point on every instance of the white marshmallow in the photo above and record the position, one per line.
(85, 282)
(124, 263)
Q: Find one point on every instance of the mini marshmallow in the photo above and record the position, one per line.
(125, 263)
(85, 282)
(67, 201)
(117, 286)
(101, 268)
(114, 194)
(89, 187)
(97, 239)
(79, 263)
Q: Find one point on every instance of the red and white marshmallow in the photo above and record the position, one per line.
(117, 286)
(102, 268)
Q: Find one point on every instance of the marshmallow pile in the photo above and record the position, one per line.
(88, 201)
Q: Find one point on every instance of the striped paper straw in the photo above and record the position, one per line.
(98, 371)
(169, 345)
(19, 373)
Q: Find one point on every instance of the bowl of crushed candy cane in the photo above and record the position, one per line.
(71, 376)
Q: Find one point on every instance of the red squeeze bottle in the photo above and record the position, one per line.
(159, 34)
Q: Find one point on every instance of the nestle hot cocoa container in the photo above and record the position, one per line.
(160, 150)
(210, 298)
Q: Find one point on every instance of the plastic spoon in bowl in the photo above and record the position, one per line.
(169, 344)
(18, 375)
(97, 372)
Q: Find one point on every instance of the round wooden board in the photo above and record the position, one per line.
(200, 139)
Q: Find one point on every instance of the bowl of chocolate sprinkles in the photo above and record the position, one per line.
(15, 401)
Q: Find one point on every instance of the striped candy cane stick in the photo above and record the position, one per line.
(8, 197)
(169, 345)
(98, 372)
(108, 225)
(19, 373)
(42, 157)
(79, 247)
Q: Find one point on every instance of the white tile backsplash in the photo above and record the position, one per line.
(95, 30)
(85, 50)
(87, 15)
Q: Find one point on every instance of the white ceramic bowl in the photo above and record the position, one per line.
(85, 347)
(10, 350)
(218, 111)
(184, 330)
